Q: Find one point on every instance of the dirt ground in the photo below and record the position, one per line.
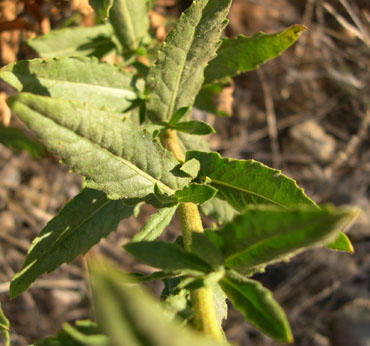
(306, 113)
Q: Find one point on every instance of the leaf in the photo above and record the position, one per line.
(101, 7)
(159, 275)
(267, 234)
(165, 256)
(206, 250)
(178, 115)
(130, 316)
(84, 333)
(196, 193)
(86, 219)
(192, 142)
(242, 54)
(341, 243)
(177, 75)
(155, 225)
(4, 326)
(18, 140)
(244, 182)
(191, 168)
(130, 22)
(257, 306)
(113, 155)
(219, 210)
(193, 127)
(76, 41)
(77, 78)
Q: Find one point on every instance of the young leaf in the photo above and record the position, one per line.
(178, 115)
(155, 225)
(77, 78)
(82, 222)
(242, 54)
(193, 127)
(257, 306)
(85, 41)
(18, 140)
(166, 256)
(84, 333)
(130, 316)
(196, 193)
(130, 22)
(113, 155)
(4, 327)
(191, 168)
(244, 182)
(176, 77)
(268, 234)
(219, 210)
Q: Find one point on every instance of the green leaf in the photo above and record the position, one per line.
(77, 41)
(130, 22)
(166, 256)
(191, 168)
(18, 140)
(130, 316)
(196, 193)
(206, 250)
(242, 54)
(206, 97)
(257, 306)
(4, 326)
(219, 210)
(177, 75)
(341, 243)
(244, 182)
(192, 142)
(77, 78)
(113, 155)
(101, 7)
(193, 127)
(84, 333)
(267, 234)
(86, 219)
(178, 115)
(159, 275)
(155, 225)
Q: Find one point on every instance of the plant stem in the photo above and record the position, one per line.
(202, 299)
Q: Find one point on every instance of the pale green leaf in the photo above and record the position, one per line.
(242, 54)
(113, 155)
(268, 234)
(101, 7)
(18, 140)
(191, 168)
(192, 142)
(156, 224)
(219, 210)
(196, 193)
(77, 78)
(257, 306)
(83, 221)
(166, 256)
(131, 317)
(76, 41)
(177, 75)
(193, 127)
(130, 22)
(4, 327)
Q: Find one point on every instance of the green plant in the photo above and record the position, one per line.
(130, 136)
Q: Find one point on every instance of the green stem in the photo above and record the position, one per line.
(202, 299)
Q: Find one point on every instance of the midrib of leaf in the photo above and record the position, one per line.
(247, 191)
(118, 92)
(262, 311)
(266, 240)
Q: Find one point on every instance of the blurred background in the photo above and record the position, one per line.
(306, 113)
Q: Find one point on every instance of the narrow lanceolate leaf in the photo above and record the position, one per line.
(166, 256)
(244, 182)
(86, 219)
(257, 306)
(193, 127)
(130, 22)
(113, 155)
(77, 78)
(267, 234)
(196, 193)
(131, 317)
(85, 41)
(156, 224)
(4, 327)
(242, 54)
(219, 210)
(176, 77)
(18, 140)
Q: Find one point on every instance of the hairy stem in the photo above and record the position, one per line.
(202, 299)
